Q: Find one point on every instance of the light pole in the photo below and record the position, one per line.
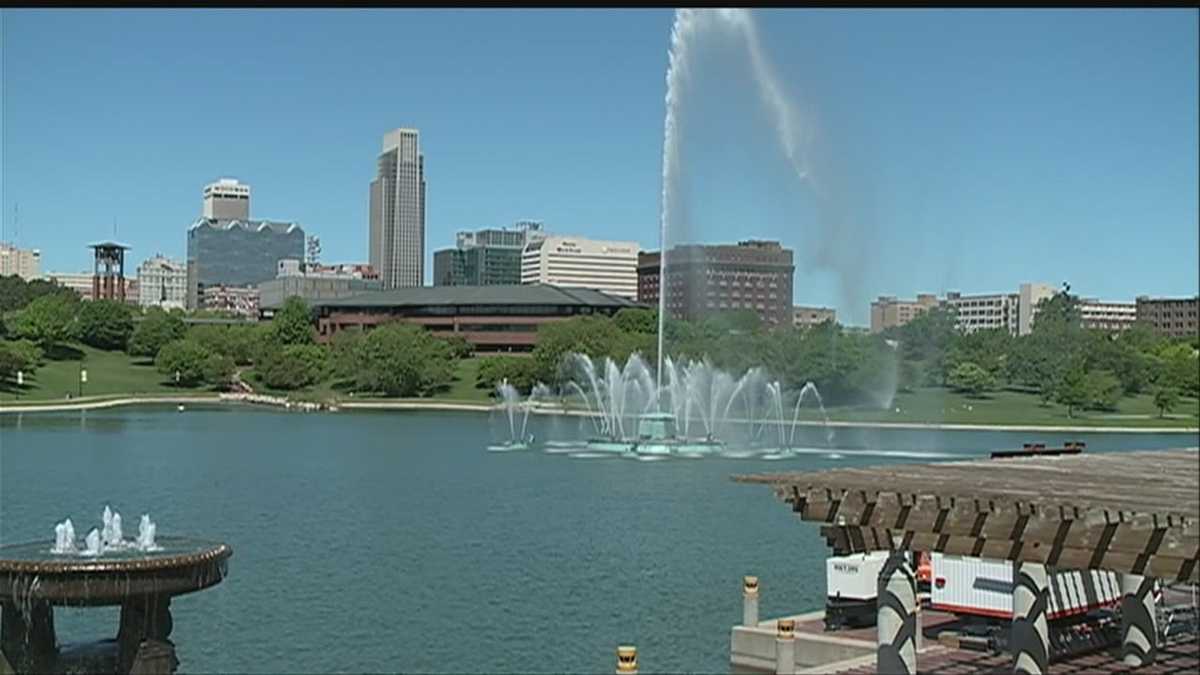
(82, 378)
(176, 378)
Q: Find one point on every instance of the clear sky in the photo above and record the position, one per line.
(975, 149)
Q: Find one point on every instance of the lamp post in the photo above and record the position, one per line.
(176, 378)
(82, 378)
(20, 382)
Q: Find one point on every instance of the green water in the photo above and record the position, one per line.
(396, 542)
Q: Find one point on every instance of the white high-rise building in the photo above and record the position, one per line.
(609, 266)
(227, 199)
(397, 236)
(985, 312)
(23, 262)
(162, 282)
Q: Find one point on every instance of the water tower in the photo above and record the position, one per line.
(108, 272)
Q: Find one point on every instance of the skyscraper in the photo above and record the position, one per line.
(226, 199)
(397, 237)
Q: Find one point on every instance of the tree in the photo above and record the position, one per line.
(105, 324)
(1103, 390)
(295, 366)
(1180, 368)
(594, 336)
(155, 330)
(48, 321)
(460, 348)
(18, 356)
(1072, 390)
(16, 293)
(637, 320)
(971, 379)
(400, 359)
(218, 370)
(344, 355)
(292, 324)
(520, 371)
(183, 362)
(1165, 399)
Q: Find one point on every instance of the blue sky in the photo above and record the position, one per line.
(972, 150)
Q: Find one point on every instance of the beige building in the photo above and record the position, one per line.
(609, 266)
(227, 199)
(1029, 295)
(1107, 315)
(890, 312)
(23, 262)
(162, 282)
(397, 211)
(80, 282)
(806, 317)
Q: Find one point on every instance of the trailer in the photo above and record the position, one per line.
(980, 587)
(852, 584)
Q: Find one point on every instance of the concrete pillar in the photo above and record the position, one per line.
(749, 601)
(896, 617)
(1139, 634)
(627, 660)
(785, 647)
(1030, 636)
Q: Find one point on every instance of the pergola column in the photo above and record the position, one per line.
(1030, 637)
(1139, 634)
(896, 616)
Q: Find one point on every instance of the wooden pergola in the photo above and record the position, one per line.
(1134, 513)
(1129, 512)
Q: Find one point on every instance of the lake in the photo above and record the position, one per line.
(394, 541)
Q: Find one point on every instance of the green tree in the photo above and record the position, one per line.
(987, 349)
(295, 366)
(182, 362)
(971, 379)
(1103, 390)
(218, 370)
(155, 330)
(344, 352)
(1072, 389)
(591, 335)
(460, 348)
(637, 320)
(16, 293)
(49, 321)
(520, 371)
(105, 324)
(18, 356)
(1180, 368)
(400, 359)
(292, 324)
(1165, 399)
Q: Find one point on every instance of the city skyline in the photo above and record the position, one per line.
(993, 168)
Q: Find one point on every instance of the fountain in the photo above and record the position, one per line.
(140, 575)
(108, 538)
(516, 414)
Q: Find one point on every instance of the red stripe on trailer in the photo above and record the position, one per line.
(1001, 614)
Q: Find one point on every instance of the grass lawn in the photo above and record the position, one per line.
(937, 405)
(109, 374)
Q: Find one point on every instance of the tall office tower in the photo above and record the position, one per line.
(227, 199)
(397, 238)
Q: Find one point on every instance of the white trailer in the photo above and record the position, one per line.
(981, 587)
(852, 583)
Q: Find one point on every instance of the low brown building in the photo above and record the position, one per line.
(1170, 317)
(702, 280)
(491, 318)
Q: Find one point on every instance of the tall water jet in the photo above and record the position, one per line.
(147, 529)
(64, 538)
(793, 138)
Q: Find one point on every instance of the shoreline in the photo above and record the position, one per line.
(480, 407)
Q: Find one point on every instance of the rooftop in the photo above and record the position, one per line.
(1130, 512)
(526, 294)
(250, 225)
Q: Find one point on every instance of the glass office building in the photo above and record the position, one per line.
(238, 253)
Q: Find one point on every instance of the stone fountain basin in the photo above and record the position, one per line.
(184, 565)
